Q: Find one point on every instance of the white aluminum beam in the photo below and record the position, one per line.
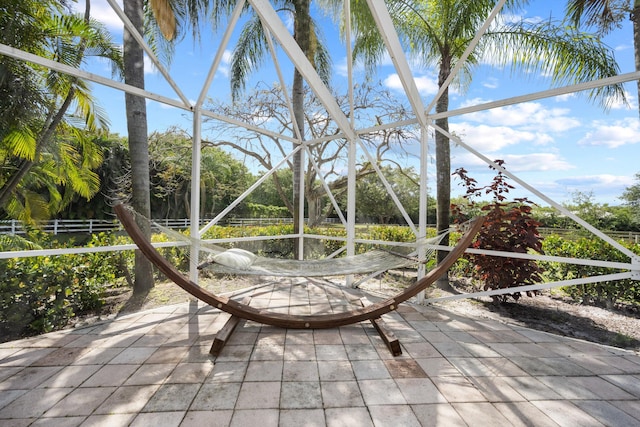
(549, 93)
(196, 156)
(143, 44)
(237, 11)
(472, 45)
(529, 288)
(538, 193)
(271, 20)
(392, 42)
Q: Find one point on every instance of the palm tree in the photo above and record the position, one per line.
(250, 51)
(606, 15)
(136, 112)
(44, 143)
(437, 32)
(248, 54)
(147, 17)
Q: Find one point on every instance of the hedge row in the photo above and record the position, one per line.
(41, 294)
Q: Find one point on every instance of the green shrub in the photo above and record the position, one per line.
(41, 294)
(392, 233)
(178, 256)
(257, 210)
(605, 294)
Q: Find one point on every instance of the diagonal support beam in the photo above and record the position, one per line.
(392, 42)
(272, 21)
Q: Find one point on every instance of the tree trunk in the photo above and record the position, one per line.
(302, 27)
(443, 170)
(316, 214)
(203, 199)
(136, 110)
(635, 18)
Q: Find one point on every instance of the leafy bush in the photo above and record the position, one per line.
(178, 256)
(283, 248)
(508, 227)
(392, 233)
(606, 294)
(257, 210)
(277, 248)
(41, 294)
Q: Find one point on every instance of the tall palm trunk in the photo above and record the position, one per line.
(297, 101)
(136, 110)
(635, 18)
(302, 26)
(443, 168)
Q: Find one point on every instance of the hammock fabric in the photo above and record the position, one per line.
(237, 261)
(375, 260)
(317, 321)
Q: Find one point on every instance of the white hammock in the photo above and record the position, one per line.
(238, 261)
(368, 262)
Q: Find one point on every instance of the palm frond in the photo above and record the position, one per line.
(29, 208)
(248, 54)
(604, 15)
(165, 17)
(321, 57)
(94, 117)
(13, 242)
(21, 143)
(563, 54)
(100, 44)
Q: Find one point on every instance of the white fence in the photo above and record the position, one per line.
(89, 226)
(81, 226)
(59, 226)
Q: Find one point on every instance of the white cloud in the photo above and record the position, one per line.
(621, 132)
(516, 163)
(605, 187)
(470, 102)
(489, 139)
(566, 97)
(602, 180)
(102, 11)
(529, 115)
(623, 47)
(149, 66)
(540, 162)
(491, 83)
(223, 68)
(426, 85)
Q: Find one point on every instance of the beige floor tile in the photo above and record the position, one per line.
(566, 413)
(439, 414)
(300, 395)
(348, 417)
(259, 395)
(128, 399)
(255, 417)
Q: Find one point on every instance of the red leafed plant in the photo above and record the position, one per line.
(509, 227)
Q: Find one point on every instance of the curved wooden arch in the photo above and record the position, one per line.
(266, 317)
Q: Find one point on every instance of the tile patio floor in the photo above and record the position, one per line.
(153, 369)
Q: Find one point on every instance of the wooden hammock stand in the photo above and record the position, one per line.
(243, 311)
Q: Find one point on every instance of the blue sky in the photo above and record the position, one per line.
(559, 145)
